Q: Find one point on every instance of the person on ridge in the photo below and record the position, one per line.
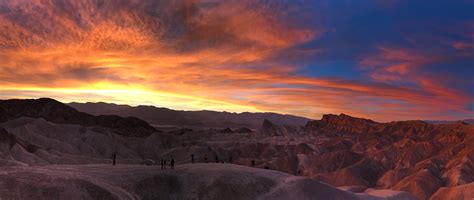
(172, 163)
(115, 156)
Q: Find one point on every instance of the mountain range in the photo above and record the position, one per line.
(164, 116)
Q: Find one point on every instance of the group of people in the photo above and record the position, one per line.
(216, 159)
(172, 162)
(163, 163)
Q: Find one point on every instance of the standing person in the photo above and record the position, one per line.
(205, 158)
(253, 163)
(172, 163)
(230, 159)
(162, 164)
(115, 156)
(192, 158)
(217, 159)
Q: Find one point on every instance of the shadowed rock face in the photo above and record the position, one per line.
(7, 140)
(458, 192)
(270, 129)
(57, 112)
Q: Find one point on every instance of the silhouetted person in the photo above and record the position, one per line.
(192, 158)
(115, 156)
(205, 158)
(172, 163)
(162, 164)
(217, 159)
(230, 159)
(253, 163)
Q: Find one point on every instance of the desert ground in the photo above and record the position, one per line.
(55, 152)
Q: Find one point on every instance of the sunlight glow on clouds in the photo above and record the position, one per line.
(217, 55)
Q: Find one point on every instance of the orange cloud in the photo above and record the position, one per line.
(192, 55)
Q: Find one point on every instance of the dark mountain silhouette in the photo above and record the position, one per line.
(165, 116)
(57, 112)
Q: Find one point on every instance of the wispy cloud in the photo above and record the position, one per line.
(206, 54)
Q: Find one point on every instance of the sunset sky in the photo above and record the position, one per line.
(383, 59)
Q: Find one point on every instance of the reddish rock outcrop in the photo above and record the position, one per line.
(343, 123)
(458, 192)
(413, 156)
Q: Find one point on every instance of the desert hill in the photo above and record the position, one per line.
(57, 112)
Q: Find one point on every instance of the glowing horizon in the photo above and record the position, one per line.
(379, 59)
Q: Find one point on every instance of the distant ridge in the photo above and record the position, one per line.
(57, 112)
(467, 121)
(165, 116)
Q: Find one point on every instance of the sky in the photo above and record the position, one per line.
(385, 60)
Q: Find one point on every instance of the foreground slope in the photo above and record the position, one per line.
(191, 181)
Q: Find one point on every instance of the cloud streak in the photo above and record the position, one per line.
(205, 54)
